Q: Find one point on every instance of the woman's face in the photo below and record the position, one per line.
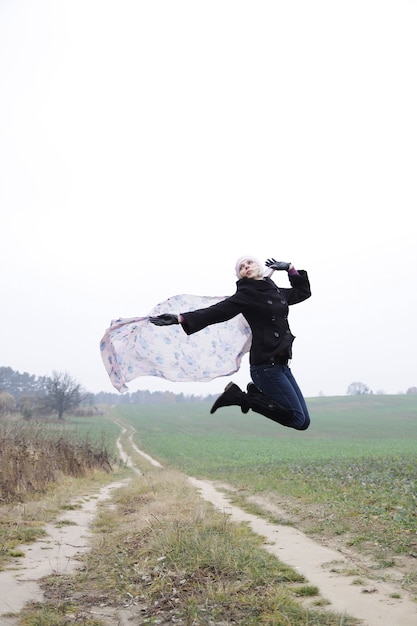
(249, 269)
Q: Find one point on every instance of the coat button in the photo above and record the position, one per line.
(273, 318)
(269, 301)
(276, 334)
(283, 302)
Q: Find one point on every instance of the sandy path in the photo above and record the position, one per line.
(372, 603)
(57, 553)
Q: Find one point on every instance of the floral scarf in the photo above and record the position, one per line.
(133, 347)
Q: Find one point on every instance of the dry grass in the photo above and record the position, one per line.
(34, 456)
(39, 467)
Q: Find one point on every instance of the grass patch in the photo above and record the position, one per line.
(306, 591)
(71, 507)
(64, 522)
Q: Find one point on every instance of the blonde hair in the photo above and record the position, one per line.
(248, 257)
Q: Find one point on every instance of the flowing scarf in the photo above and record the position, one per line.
(133, 347)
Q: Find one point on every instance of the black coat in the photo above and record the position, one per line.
(265, 307)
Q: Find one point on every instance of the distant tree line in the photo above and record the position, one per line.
(146, 397)
(21, 384)
(60, 393)
(359, 389)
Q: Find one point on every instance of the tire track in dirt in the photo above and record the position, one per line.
(56, 553)
(373, 604)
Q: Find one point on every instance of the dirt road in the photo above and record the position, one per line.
(54, 553)
(373, 601)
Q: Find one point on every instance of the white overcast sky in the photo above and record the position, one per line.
(144, 146)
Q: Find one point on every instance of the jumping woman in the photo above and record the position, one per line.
(273, 391)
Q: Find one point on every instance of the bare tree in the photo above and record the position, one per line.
(358, 389)
(7, 403)
(63, 393)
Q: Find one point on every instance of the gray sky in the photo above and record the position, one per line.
(144, 146)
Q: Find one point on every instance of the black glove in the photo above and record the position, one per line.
(166, 319)
(277, 265)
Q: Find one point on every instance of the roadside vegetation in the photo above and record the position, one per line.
(40, 464)
(34, 456)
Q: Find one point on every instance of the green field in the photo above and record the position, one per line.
(356, 463)
(187, 436)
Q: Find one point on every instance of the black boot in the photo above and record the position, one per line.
(231, 396)
(260, 403)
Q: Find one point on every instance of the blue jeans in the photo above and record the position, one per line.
(277, 383)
